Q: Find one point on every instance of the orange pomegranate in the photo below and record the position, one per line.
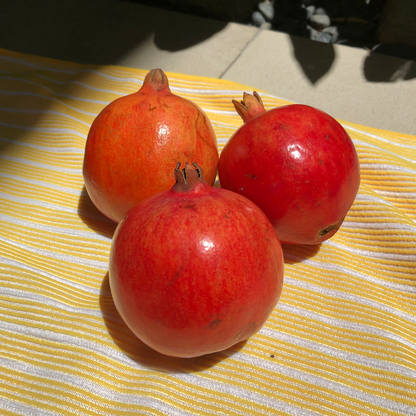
(136, 141)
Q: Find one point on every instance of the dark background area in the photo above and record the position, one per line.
(382, 26)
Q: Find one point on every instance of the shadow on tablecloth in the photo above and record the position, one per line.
(137, 351)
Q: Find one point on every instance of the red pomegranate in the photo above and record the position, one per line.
(195, 269)
(134, 143)
(297, 163)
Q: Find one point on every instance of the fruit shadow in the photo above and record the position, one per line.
(297, 253)
(143, 355)
(93, 218)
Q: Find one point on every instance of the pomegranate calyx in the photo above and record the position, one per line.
(330, 228)
(249, 106)
(188, 177)
(156, 80)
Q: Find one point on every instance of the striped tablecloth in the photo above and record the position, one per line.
(342, 340)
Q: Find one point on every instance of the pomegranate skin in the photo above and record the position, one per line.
(195, 269)
(140, 134)
(297, 163)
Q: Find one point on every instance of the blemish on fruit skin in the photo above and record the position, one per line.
(249, 175)
(299, 207)
(177, 274)
(282, 126)
(190, 206)
(213, 324)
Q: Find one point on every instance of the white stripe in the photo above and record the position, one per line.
(43, 204)
(222, 112)
(47, 130)
(373, 254)
(43, 112)
(62, 149)
(72, 97)
(67, 283)
(66, 82)
(44, 184)
(351, 261)
(91, 235)
(45, 300)
(60, 322)
(221, 141)
(16, 406)
(339, 297)
(32, 65)
(381, 149)
(41, 165)
(224, 125)
(380, 225)
(136, 82)
(382, 139)
(103, 265)
(68, 71)
(36, 192)
(394, 168)
(53, 99)
(372, 198)
(72, 247)
(194, 91)
(398, 194)
(327, 268)
(58, 208)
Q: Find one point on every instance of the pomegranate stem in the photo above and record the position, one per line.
(188, 177)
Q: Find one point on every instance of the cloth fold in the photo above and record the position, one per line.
(340, 341)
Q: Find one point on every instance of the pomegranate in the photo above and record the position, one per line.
(195, 269)
(297, 163)
(134, 143)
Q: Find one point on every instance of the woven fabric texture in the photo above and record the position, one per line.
(341, 341)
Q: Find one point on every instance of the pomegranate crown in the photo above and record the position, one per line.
(156, 80)
(188, 177)
(249, 106)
